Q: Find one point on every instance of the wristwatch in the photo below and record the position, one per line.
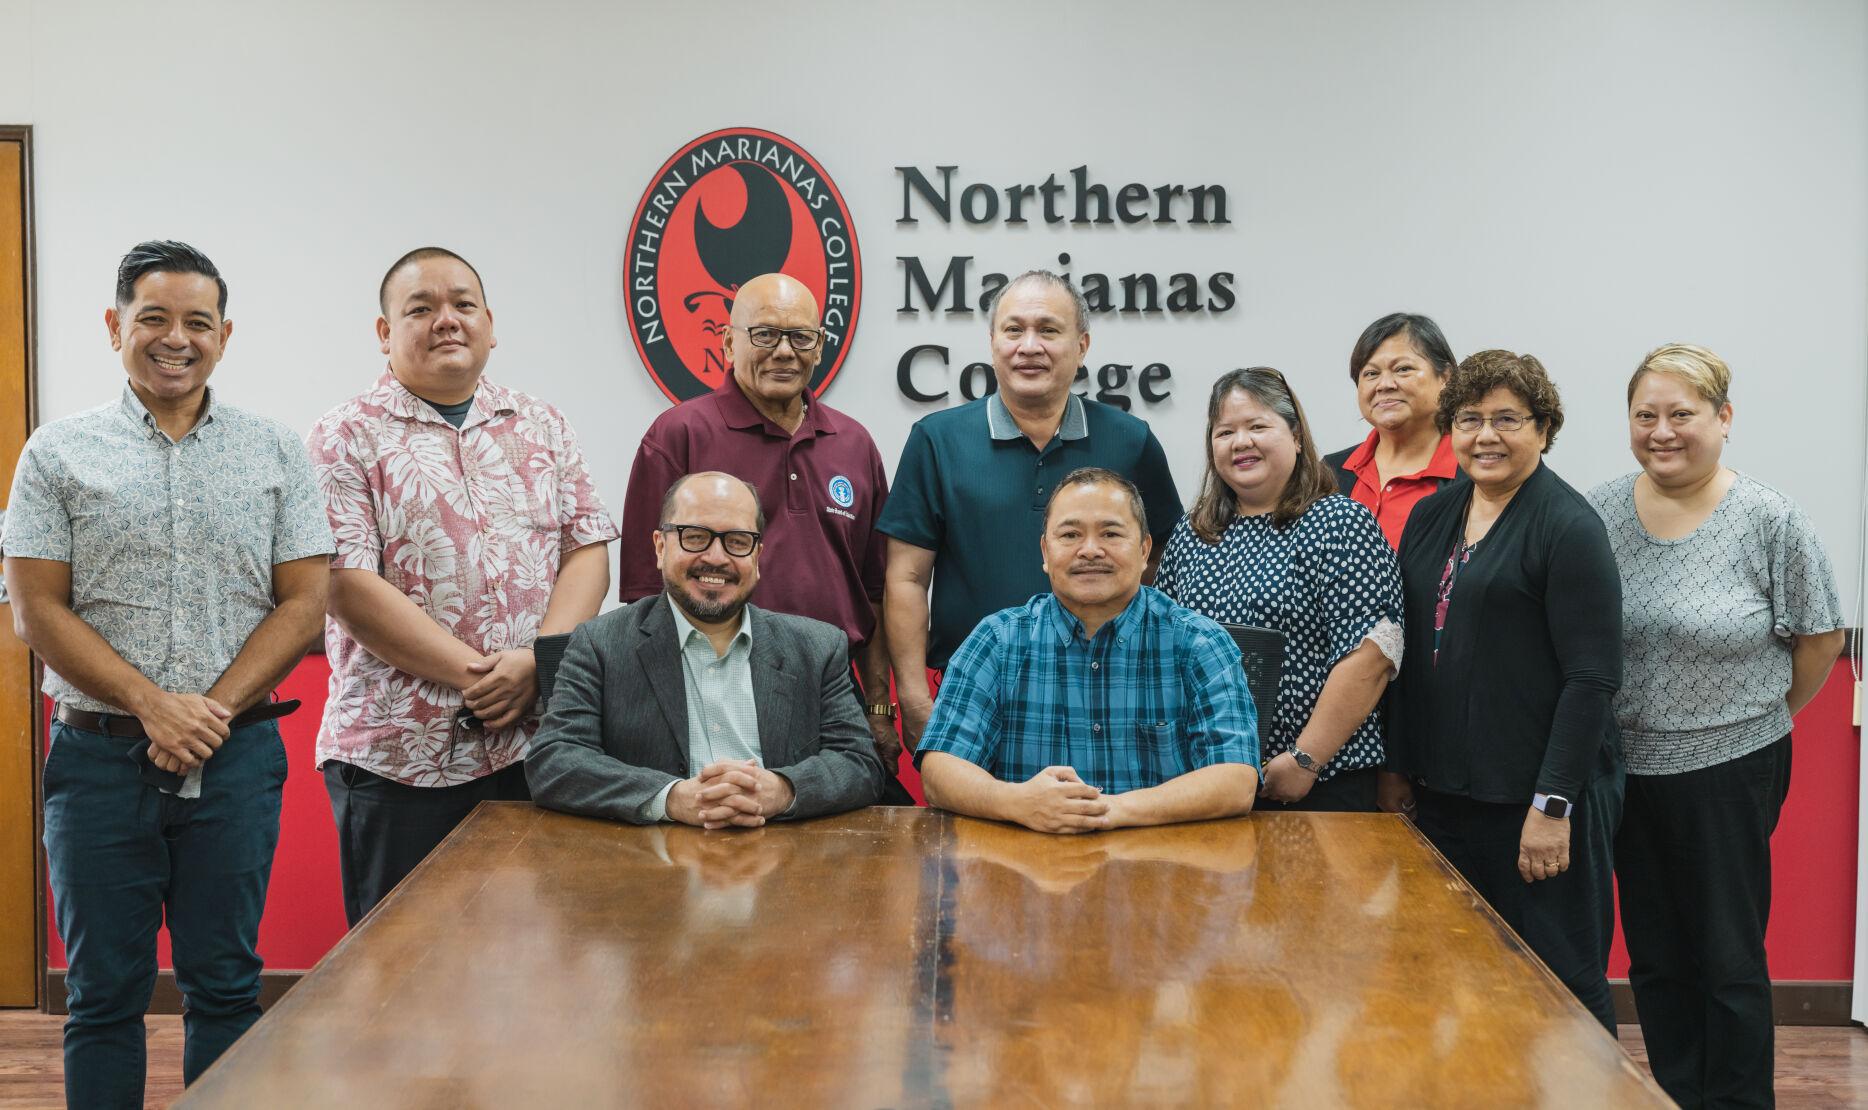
(1304, 760)
(881, 709)
(1554, 806)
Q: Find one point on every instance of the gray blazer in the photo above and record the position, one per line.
(617, 728)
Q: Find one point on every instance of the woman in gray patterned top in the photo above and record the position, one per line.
(1730, 625)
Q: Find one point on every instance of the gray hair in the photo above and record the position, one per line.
(1056, 281)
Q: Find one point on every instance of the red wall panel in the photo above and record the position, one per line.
(305, 903)
(1812, 933)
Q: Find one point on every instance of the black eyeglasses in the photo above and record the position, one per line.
(801, 339)
(695, 539)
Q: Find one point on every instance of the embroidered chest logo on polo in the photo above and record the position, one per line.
(728, 207)
(842, 492)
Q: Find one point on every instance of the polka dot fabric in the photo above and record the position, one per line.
(1328, 582)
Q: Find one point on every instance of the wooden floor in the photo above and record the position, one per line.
(1816, 1067)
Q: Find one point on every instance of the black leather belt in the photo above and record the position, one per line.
(126, 727)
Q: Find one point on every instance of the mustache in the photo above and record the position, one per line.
(727, 573)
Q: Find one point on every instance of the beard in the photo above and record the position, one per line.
(703, 609)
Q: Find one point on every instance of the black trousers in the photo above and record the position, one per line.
(385, 828)
(1569, 920)
(1348, 792)
(1694, 859)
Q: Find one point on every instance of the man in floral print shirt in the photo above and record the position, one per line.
(466, 527)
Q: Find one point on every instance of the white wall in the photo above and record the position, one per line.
(1582, 181)
(16, 73)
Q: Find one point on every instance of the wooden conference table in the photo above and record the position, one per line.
(904, 957)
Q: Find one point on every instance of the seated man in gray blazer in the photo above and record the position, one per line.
(696, 707)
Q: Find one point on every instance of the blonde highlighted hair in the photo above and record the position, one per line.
(1706, 372)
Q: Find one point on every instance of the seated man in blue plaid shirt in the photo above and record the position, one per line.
(1100, 704)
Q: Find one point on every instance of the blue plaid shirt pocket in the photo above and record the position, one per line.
(1162, 750)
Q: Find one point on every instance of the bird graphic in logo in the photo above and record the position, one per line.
(737, 222)
(726, 208)
(757, 243)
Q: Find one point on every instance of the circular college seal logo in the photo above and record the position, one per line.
(729, 206)
(842, 492)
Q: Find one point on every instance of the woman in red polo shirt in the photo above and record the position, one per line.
(1398, 366)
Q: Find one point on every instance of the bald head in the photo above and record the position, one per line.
(710, 492)
(772, 290)
(780, 309)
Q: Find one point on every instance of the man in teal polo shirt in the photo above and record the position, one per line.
(967, 507)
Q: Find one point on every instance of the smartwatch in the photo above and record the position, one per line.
(1553, 806)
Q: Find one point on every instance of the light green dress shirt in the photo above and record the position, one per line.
(723, 721)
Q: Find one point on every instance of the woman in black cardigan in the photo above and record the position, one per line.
(1500, 719)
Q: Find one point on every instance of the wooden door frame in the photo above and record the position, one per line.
(22, 134)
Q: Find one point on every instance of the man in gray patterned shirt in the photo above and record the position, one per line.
(167, 557)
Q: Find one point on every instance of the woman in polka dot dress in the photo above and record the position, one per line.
(1271, 542)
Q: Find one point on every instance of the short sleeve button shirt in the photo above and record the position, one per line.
(470, 523)
(971, 488)
(1327, 581)
(171, 542)
(1157, 693)
(822, 488)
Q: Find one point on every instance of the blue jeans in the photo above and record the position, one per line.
(123, 855)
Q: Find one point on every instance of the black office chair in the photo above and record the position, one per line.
(1261, 653)
(549, 651)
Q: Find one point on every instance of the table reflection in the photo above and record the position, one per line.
(907, 957)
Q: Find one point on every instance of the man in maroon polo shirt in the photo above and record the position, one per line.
(819, 477)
